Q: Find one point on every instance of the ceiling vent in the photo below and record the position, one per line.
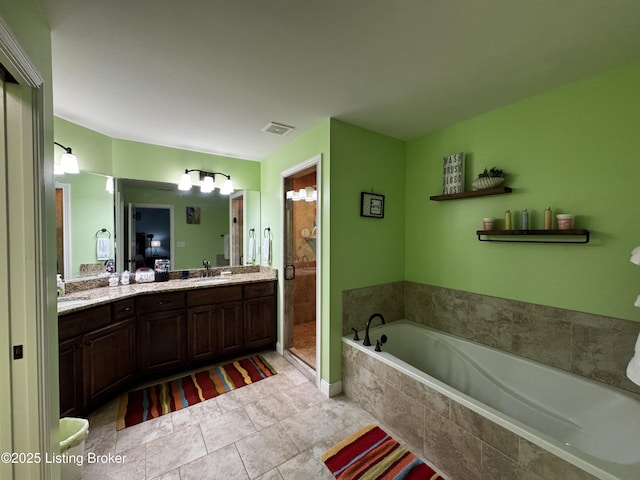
(277, 129)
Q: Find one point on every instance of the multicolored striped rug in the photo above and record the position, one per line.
(152, 402)
(371, 454)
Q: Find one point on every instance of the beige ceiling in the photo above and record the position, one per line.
(208, 75)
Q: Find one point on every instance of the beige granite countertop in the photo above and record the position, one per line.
(97, 296)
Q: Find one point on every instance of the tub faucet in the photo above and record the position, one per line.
(367, 342)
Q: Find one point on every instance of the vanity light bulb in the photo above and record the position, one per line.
(207, 185)
(227, 187)
(302, 193)
(69, 163)
(185, 182)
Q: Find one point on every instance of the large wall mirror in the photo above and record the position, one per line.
(142, 221)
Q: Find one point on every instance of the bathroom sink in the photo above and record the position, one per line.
(73, 302)
(210, 281)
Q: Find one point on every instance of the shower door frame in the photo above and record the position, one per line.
(315, 161)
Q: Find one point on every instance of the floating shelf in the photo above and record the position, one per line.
(534, 236)
(476, 193)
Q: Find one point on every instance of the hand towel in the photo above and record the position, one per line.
(266, 251)
(633, 369)
(103, 248)
(227, 247)
(251, 257)
(635, 256)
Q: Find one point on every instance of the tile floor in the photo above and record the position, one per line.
(304, 342)
(275, 429)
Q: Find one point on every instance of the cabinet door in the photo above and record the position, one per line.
(203, 338)
(70, 376)
(108, 360)
(259, 322)
(161, 341)
(229, 322)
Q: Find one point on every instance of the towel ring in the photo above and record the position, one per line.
(103, 231)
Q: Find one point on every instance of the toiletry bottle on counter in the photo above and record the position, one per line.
(60, 285)
(125, 277)
(507, 220)
(547, 218)
(525, 220)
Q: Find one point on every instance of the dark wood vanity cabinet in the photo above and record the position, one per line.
(103, 350)
(260, 315)
(214, 322)
(161, 332)
(96, 354)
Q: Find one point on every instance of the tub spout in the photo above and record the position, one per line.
(367, 342)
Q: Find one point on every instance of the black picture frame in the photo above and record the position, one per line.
(371, 205)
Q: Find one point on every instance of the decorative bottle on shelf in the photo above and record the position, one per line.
(547, 218)
(525, 220)
(507, 220)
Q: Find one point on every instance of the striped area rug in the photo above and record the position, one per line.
(151, 402)
(371, 454)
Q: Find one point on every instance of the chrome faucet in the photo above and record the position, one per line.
(367, 342)
(207, 266)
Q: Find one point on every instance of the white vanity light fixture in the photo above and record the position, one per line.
(208, 181)
(68, 162)
(109, 185)
(308, 194)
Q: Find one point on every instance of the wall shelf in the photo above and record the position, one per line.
(476, 193)
(534, 236)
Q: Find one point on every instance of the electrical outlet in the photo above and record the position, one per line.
(18, 352)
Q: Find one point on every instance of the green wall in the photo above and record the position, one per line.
(164, 164)
(304, 147)
(572, 149)
(364, 251)
(355, 251)
(94, 150)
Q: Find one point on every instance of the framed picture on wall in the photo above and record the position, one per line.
(453, 174)
(371, 205)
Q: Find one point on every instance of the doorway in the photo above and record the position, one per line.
(150, 234)
(301, 306)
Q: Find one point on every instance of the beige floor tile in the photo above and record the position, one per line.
(228, 428)
(265, 450)
(309, 427)
(143, 433)
(223, 464)
(195, 414)
(131, 467)
(173, 451)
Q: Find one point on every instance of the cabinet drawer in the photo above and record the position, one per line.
(124, 309)
(210, 296)
(161, 301)
(262, 289)
(79, 323)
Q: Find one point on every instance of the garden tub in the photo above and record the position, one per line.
(586, 423)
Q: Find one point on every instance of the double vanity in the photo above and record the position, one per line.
(111, 338)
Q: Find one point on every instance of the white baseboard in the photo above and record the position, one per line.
(330, 389)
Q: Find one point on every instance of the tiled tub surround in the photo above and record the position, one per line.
(593, 346)
(486, 415)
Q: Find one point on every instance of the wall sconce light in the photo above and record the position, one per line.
(208, 182)
(68, 162)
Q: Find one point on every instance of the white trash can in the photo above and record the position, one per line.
(73, 431)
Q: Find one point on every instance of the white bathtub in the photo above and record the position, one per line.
(595, 427)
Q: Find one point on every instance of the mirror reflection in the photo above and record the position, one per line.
(155, 221)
